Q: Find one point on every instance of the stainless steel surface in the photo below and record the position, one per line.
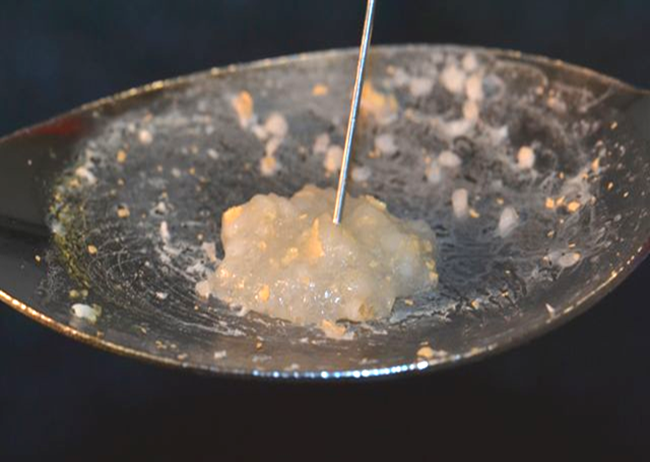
(354, 110)
(188, 159)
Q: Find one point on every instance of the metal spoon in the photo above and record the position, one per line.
(83, 199)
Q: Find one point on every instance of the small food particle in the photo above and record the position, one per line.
(309, 269)
(459, 202)
(264, 293)
(470, 110)
(320, 90)
(164, 232)
(243, 106)
(360, 174)
(272, 146)
(212, 154)
(37, 258)
(595, 165)
(92, 250)
(383, 108)
(469, 62)
(563, 258)
(269, 166)
(573, 206)
(426, 352)
(221, 354)
(276, 125)
(473, 213)
(526, 158)
(87, 312)
(123, 211)
(610, 186)
(121, 156)
(321, 143)
(385, 144)
(203, 289)
(420, 86)
(333, 330)
(549, 203)
(449, 159)
(145, 137)
(507, 221)
(85, 174)
(210, 250)
(474, 88)
(550, 309)
(333, 158)
(453, 79)
(161, 295)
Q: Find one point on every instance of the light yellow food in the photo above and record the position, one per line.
(285, 258)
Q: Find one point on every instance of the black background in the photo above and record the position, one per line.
(579, 392)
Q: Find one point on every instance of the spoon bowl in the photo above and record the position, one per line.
(108, 213)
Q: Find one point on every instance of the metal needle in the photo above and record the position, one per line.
(354, 110)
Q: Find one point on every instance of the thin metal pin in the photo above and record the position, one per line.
(354, 110)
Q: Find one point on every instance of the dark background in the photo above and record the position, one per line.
(579, 392)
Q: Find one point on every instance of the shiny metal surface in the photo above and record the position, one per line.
(354, 110)
(62, 241)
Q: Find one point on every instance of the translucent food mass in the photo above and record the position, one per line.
(285, 258)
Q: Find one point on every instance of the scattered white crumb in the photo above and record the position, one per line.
(164, 232)
(269, 166)
(203, 289)
(212, 154)
(210, 250)
(161, 295)
(470, 110)
(449, 159)
(459, 202)
(86, 174)
(260, 132)
(277, 125)
(420, 86)
(569, 259)
(401, 77)
(453, 78)
(145, 137)
(455, 128)
(469, 62)
(385, 144)
(433, 173)
(160, 208)
(176, 172)
(321, 143)
(474, 87)
(564, 259)
(550, 309)
(272, 146)
(220, 354)
(508, 221)
(87, 312)
(360, 174)
(333, 157)
(526, 158)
